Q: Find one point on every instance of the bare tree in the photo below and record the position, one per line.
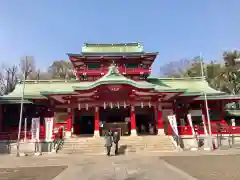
(8, 79)
(175, 68)
(40, 75)
(27, 66)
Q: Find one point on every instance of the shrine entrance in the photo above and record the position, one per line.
(115, 119)
(83, 122)
(145, 121)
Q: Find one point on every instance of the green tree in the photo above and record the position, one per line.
(231, 75)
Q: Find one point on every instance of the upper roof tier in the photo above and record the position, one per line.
(112, 52)
(113, 48)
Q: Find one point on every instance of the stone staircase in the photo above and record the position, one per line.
(91, 145)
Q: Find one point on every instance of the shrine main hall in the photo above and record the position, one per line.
(113, 89)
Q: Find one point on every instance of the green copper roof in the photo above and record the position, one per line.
(193, 86)
(105, 54)
(112, 48)
(114, 77)
(223, 97)
(34, 89)
(189, 86)
(232, 112)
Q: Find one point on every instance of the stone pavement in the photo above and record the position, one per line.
(213, 167)
(217, 165)
(71, 167)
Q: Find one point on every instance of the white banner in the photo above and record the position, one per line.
(173, 122)
(35, 128)
(204, 126)
(49, 128)
(189, 116)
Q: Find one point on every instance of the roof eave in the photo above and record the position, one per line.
(46, 93)
(171, 90)
(107, 82)
(107, 54)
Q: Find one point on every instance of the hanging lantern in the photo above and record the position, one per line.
(149, 104)
(124, 104)
(86, 106)
(79, 106)
(141, 104)
(68, 110)
(111, 105)
(104, 105)
(132, 108)
(118, 105)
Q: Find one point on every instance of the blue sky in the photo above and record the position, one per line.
(176, 29)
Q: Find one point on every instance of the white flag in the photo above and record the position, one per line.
(191, 124)
(204, 126)
(173, 122)
(35, 128)
(49, 128)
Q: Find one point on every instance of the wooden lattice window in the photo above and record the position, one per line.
(131, 65)
(93, 66)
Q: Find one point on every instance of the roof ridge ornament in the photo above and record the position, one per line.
(113, 69)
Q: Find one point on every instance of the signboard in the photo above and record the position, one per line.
(35, 129)
(114, 88)
(195, 113)
(49, 129)
(173, 122)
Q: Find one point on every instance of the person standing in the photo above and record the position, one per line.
(116, 138)
(108, 141)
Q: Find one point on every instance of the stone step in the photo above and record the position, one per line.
(132, 144)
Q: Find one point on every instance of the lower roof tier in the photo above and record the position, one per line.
(188, 87)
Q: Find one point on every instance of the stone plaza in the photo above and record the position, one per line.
(172, 166)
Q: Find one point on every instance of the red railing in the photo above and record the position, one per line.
(123, 70)
(12, 134)
(186, 130)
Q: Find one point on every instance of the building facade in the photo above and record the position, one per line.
(113, 89)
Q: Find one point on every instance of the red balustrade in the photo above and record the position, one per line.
(104, 70)
(186, 130)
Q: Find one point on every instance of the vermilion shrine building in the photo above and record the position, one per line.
(113, 89)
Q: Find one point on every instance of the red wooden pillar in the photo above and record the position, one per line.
(96, 122)
(133, 121)
(158, 111)
(221, 108)
(69, 123)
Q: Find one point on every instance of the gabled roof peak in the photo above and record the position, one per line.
(113, 71)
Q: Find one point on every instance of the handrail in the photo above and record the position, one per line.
(58, 141)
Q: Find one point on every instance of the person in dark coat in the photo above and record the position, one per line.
(116, 138)
(108, 141)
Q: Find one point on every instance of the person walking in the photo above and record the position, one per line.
(108, 142)
(116, 138)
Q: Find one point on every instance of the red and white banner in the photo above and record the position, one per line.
(204, 126)
(189, 116)
(49, 129)
(173, 122)
(35, 129)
